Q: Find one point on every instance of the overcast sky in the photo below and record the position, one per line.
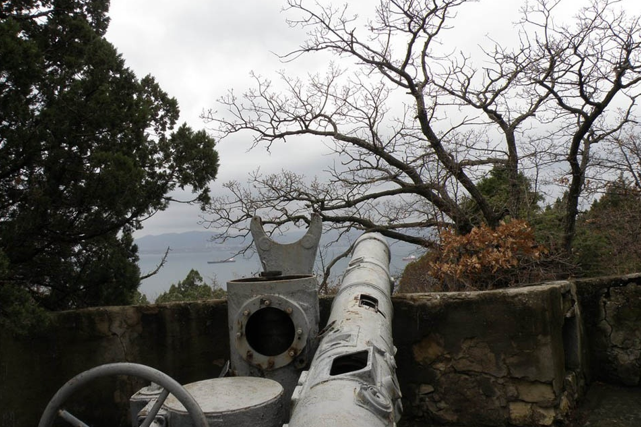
(199, 49)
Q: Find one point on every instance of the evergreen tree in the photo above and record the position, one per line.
(87, 152)
(607, 241)
(191, 288)
(498, 190)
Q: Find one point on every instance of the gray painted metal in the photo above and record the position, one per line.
(352, 379)
(290, 258)
(231, 402)
(71, 419)
(159, 420)
(153, 413)
(132, 369)
(273, 323)
(141, 398)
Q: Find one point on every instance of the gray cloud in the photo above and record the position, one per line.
(199, 49)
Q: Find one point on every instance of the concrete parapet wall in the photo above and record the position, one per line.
(611, 308)
(188, 341)
(490, 358)
(519, 357)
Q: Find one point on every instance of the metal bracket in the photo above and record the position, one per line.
(289, 258)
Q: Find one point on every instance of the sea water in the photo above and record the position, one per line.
(178, 265)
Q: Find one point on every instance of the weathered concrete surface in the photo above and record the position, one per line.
(489, 358)
(612, 312)
(498, 358)
(187, 341)
(606, 405)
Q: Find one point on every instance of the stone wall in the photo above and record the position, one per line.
(508, 357)
(490, 358)
(611, 308)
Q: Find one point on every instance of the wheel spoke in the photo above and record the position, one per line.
(71, 419)
(154, 409)
(141, 371)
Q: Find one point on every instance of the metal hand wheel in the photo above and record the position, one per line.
(169, 385)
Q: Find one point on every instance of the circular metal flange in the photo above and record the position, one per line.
(287, 316)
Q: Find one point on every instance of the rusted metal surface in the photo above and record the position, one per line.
(273, 323)
(285, 331)
(352, 379)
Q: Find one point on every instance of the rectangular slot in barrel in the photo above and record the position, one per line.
(349, 363)
(368, 301)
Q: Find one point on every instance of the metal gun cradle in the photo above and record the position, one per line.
(284, 372)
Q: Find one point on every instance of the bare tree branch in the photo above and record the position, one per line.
(413, 131)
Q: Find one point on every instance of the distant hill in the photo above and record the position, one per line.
(200, 241)
(191, 240)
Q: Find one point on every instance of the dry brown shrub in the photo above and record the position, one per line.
(485, 258)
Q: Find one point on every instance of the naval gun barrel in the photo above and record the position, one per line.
(352, 378)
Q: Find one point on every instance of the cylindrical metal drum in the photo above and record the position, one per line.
(232, 402)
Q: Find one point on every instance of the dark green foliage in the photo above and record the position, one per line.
(548, 225)
(191, 288)
(497, 191)
(139, 298)
(607, 240)
(18, 311)
(87, 151)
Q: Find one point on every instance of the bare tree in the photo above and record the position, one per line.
(595, 82)
(626, 158)
(414, 127)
